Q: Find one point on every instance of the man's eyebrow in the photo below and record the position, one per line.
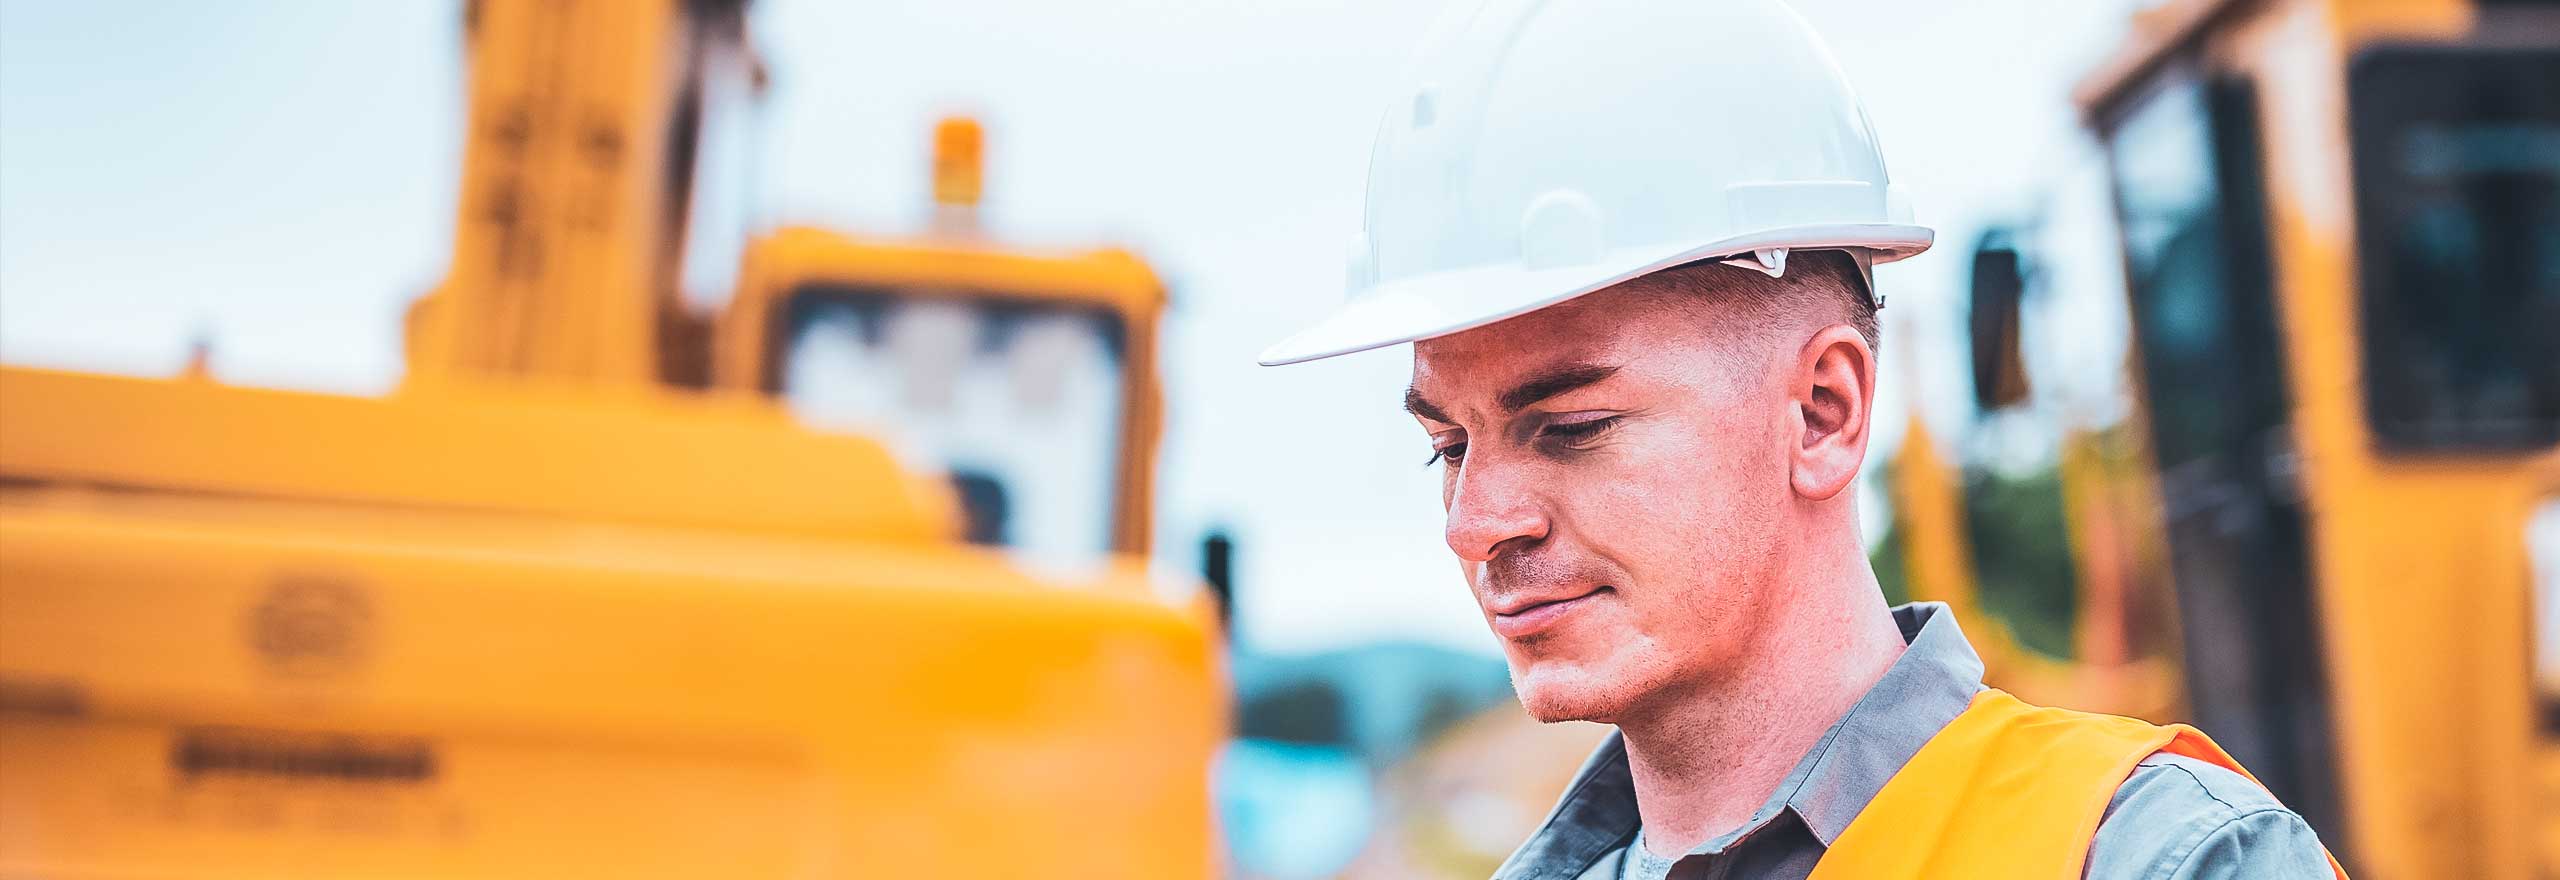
(1539, 387)
(1413, 403)
(1551, 383)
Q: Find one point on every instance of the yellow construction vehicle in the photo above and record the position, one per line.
(616, 585)
(2295, 424)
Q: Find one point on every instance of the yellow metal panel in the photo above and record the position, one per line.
(563, 240)
(731, 464)
(576, 700)
(98, 797)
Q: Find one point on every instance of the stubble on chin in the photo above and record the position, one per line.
(1553, 695)
(1607, 691)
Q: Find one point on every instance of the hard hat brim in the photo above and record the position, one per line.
(1441, 303)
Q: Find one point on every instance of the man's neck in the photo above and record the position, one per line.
(1706, 760)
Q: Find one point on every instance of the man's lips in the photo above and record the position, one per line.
(1527, 615)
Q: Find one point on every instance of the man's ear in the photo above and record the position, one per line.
(1834, 392)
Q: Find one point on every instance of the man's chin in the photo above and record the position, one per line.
(1552, 691)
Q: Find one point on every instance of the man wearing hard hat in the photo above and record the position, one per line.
(1632, 245)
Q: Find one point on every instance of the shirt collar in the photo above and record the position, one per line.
(1933, 681)
(1927, 687)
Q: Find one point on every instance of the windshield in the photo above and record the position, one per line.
(1018, 402)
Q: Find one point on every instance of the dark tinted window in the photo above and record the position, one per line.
(2457, 170)
(2196, 267)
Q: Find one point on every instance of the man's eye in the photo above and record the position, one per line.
(1452, 453)
(1574, 431)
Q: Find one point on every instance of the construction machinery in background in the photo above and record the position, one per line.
(623, 580)
(2303, 469)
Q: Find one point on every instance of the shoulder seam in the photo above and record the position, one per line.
(2225, 825)
(2207, 789)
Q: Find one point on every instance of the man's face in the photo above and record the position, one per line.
(1614, 470)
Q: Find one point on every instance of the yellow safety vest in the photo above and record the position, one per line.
(2006, 790)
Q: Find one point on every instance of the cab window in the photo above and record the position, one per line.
(2456, 154)
(1019, 402)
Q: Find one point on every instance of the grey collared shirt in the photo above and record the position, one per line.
(2175, 817)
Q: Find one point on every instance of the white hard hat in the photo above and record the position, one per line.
(1544, 150)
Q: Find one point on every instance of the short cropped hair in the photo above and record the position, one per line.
(1824, 285)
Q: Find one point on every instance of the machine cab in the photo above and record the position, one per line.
(1024, 376)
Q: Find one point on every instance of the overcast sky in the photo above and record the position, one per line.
(278, 179)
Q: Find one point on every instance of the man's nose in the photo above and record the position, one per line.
(1492, 511)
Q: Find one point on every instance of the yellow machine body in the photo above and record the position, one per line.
(581, 598)
(454, 635)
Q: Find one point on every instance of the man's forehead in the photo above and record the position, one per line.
(1503, 368)
(1604, 328)
(1632, 329)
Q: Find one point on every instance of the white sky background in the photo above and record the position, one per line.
(278, 178)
